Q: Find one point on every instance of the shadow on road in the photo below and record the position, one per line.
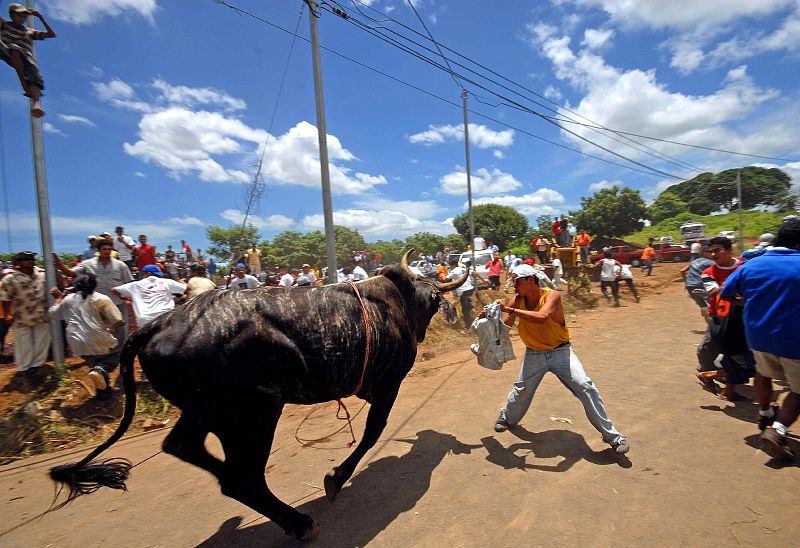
(546, 445)
(375, 497)
(754, 441)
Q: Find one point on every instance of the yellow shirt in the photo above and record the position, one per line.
(542, 336)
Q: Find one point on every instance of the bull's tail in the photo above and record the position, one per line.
(87, 477)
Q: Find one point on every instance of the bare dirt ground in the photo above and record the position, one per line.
(440, 475)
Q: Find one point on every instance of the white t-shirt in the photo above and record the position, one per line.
(311, 276)
(696, 248)
(359, 274)
(624, 272)
(607, 270)
(87, 321)
(287, 280)
(125, 254)
(247, 282)
(455, 274)
(151, 296)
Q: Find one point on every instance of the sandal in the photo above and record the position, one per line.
(707, 384)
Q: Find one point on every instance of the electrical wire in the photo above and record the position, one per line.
(422, 22)
(257, 190)
(592, 123)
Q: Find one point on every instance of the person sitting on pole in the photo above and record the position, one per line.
(16, 49)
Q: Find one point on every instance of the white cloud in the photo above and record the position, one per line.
(596, 38)
(498, 154)
(684, 14)
(139, 174)
(540, 202)
(479, 135)
(191, 97)
(276, 222)
(635, 101)
(483, 181)
(600, 185)
(86, 12)
(121, 95)
(553, 93)
(74, 119)
(394, 224)
(421, 209)
(184, 142)
(293, 159)
(185, 220)
(47, 127)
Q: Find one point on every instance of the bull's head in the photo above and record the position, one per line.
(430, 294)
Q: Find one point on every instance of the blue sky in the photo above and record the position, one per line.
(157, 111)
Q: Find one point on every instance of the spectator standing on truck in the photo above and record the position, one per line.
(647, 258)
(583, 243)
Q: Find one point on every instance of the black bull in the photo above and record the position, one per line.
(231, 360)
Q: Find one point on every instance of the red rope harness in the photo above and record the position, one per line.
(363, 370)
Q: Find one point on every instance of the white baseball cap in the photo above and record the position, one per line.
(523, 271)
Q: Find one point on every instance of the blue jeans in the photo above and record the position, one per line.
(585, 254)
(564, 364)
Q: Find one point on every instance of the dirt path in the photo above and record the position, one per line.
(441, 475)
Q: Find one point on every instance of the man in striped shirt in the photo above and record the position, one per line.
(16, 49)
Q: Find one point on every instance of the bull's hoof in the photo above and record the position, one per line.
(332, 485)
(310, 532)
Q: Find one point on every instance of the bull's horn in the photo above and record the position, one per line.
(404, 264)
(449, 286)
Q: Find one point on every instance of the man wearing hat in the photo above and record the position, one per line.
(242, 280)
(544, 331)
(16, 49)
(309, 274)
(26, 309)
(89, 253)
(152, 295)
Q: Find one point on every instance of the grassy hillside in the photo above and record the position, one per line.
(755, 224)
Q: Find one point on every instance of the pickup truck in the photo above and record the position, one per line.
(672, 252)
(623, 253)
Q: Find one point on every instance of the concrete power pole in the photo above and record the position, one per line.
(45, 230)
(469, 178)
(327, 208)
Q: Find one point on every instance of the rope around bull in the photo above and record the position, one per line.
(342, 406)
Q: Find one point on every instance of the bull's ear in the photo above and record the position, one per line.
(448, 310)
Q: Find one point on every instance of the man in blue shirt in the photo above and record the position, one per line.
(770, 286)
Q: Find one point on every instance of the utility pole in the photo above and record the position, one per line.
(739, 201)
(469, 178)
(327, 208)
(45, 230)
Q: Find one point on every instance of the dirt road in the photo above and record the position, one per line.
(441, 476)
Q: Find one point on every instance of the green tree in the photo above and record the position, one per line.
(456, 241)
(287, 249)
(496, 223)
(390, 251)
(543, 223)
(611, 212)
(426, 242)
(225, 240)
(347, 241)
(668, 204)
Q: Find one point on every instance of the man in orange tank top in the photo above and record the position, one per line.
(544, 331)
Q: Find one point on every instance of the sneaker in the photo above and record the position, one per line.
(764, 422)
(99, 379)
(775, 445)
(501, 425)
(621, 446)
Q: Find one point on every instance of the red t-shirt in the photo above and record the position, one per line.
(146, 254)
(495, 267)
(718, 274)
(557, 227)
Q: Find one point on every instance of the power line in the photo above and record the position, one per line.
(592, 124)
(548, 119)
(648, 170)
(422, 21)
